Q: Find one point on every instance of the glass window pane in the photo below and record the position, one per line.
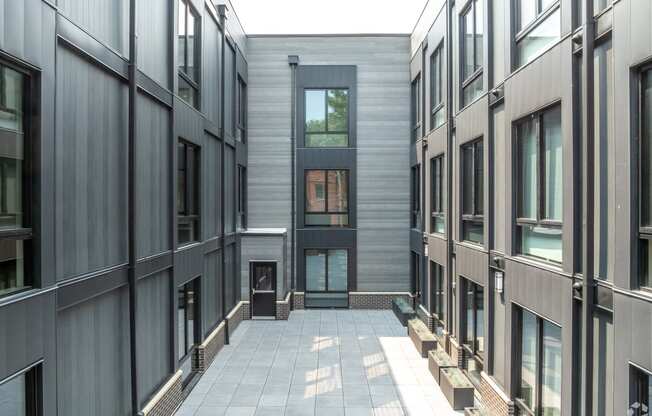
(473, 231)
(338, 110)
(467, 56)
(646, 149)
(479, 179)
(181, 35)
(187, 92)
(479, 29)
(12, 266)
(333, 220)
(528, 166)
(542, 242)
(527, 11)
(645, 277)
(470, 316)
(315, 191)
(467, 180)
(337, 270)
(439, 225)
(315, 270)
(192, 301)
(472, 91)
(327, 140)
(529, 365)
(191, 68)
(551, 389)
(479, 320)
(539, 38)
(11, 99)
(337, 191)
(13, 397)
(552, 159)
(315, 110)
(181, 321)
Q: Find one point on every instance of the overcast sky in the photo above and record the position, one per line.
(327, 16)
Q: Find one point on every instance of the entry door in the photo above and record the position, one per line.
(263, 289)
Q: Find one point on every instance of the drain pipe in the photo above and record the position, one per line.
(221, 11)
(293, 61)
(450, 120)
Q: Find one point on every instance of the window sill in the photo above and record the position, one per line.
(538, 263)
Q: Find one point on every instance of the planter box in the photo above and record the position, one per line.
(438, 360)
(422, 338)
(457, 388)
(402, 310)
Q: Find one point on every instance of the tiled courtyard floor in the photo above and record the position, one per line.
(319, 363)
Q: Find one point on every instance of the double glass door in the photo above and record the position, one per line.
(326, 277)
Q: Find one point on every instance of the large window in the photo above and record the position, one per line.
(540, 189)
(15, 179)
(241, 111)
(189, 51)
(539, 353)
(472, 54)
(20, 395)
(415, 193)
(327, 198)
(473, 330)
(438, 219)
(645, 180)
(188, 316)
(326, 270)
(438, 294)
(640, 392)
(473, 192)
(436, 87)
(416, 108)
(187, 192)
(327, 118)
(538, 26)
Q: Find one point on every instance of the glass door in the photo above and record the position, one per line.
(327, 278)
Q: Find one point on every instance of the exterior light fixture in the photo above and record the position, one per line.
(499, 281)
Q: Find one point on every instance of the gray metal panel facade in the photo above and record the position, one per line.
(154, 17)
(264, 248)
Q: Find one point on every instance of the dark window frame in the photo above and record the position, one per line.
(326, 210)
(242, 196)
(438, 295)
(415, 197)
(326, 130)
(541, 14)
(476, 216)
(645, 198)
(437, 207)
(241, 110)
(478, 68)
(436, 84)
(33, 388)
(471, 345)
(191, 209)
(326, 251)
(195, 284)
(184, 73)
(416, 107)
(639, 393)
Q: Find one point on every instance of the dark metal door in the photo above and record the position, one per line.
(263, 289)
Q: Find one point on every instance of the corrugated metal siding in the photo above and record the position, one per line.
(263, 249)
(154, 39)
(106, 20)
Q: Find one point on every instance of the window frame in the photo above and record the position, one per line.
(326, 210)
(644, 230)
(326, 131)
(183, 73)
(520, 34)
(196, 287)
(438, 286)
(416, 107)
(415, 197)
(326, 252)
(242, 197)
(437, 207)
(33, 387)
(477, 67)
(540, 192)
(190, 198)
(476, 216)
(639, 385)
(471, 344)
(436, 84)
(241, 110)
(25, 232)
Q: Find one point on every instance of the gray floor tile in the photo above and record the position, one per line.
(240, 411)
(329, 411)
(210, 411)
(299, 411)
(358, 411)
(270, 411)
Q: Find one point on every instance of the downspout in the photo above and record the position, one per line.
(221, 11)
(450, 121)
(588, 195)
(131, 273)
(423, 273)
(293, 61)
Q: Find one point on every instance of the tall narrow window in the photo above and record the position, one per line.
(189, 51)
(241, 111)
(472, 52)
(415, 272)
(474, 328)
(473, 192)
(436, 87)
(416, 197)
(416, 108)
(20, 395)
(645, 180)
(438, 218)
(540, 375)
(15, 180)
(326, 270)
(538, 26)
(327, 198)
(327, 118)
(540, 177)
(640, 392)
(438, 295)
(188, 192)
(242, 197)
(188, 317)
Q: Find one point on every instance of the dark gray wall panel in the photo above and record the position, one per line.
(211, 292)
(91, 168)
(211, 74)
(472, 264)
(229, 90)
(501, 218)
(93, 357)
(154, 39)
(153, 332)
(229, 190)
(231, 290)
(154, 173)
(212, 172)
(26, 30)
(188, 264)
(106, 20)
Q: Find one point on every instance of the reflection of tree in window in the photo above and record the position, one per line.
(326, 118)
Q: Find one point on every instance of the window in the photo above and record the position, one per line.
(540, 189)
(416, 108)
(436, 87)
(327, 197)
(189, 50)
(327, 118)
(15, 180)
(641, 392)
(438, 295)
(415, 272)
(188, 316)
(539, 391)
(473, 192)
(187, 192)
(416, 197)
(241, 111)
(645, 180)
(472, 54)
(438, 218)
(538, 26)
(242, 197)
(20, 395)
(326, 270)
(474, 328)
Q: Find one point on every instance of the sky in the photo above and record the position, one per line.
(327, 16)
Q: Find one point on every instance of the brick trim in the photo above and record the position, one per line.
(283, 308)
(494, 400)
(207, 351)
(165, 401)
(299, 300)
(375, 300)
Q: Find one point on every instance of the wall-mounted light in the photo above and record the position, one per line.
(499, 281)
(425, 250)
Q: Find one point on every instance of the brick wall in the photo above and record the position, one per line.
(299, 300)
(371, 300)
(166, 401)
(494, 401)
(426, 318)
(283, 308)
(237, 315)
(207, 351)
